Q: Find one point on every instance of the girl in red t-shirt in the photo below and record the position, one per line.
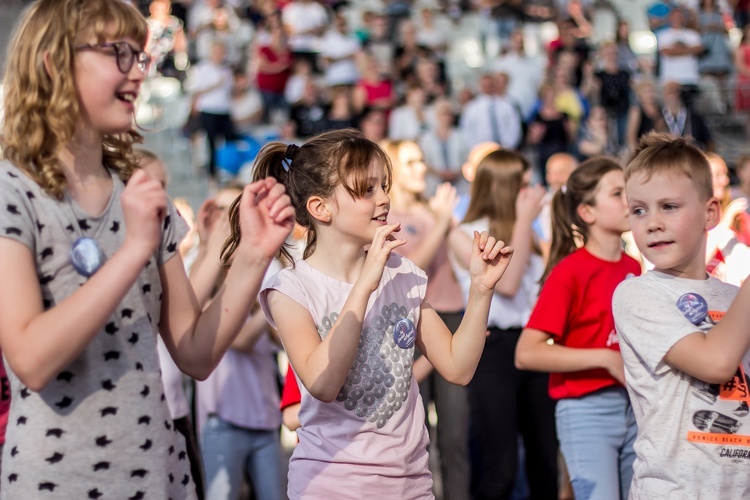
(571, 331)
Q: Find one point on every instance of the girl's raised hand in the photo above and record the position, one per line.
(489, 260)
(382, 245)
(529, 203)
(444, 202)
(266, 217)
(144, 206)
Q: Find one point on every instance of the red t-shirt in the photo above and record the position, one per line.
(274, 82)
(290, 395)
(575, 309)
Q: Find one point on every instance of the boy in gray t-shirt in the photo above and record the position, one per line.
(684, 344)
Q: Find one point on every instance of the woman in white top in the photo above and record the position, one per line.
(505, 401)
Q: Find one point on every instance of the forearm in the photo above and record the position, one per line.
(521, 243)
(252, 330)
(538, 355)
(468, 341)
(329, 364)
(204, 274)
(204, 341)
(423, 255)
(53, 339)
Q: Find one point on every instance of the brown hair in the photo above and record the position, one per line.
(567, 226)
(498, 181)
(41, 105)
(664, 153)
(339, 157)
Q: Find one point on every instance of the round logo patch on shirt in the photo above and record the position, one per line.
(404, 333)
(693, 307)
(86, 256)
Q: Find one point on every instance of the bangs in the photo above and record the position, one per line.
(354, 166)
(111, 19)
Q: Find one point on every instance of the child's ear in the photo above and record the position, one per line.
(713, 213)
(48, 68)
(586, 213)
(318, 209)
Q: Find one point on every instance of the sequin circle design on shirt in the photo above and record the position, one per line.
(379, 380)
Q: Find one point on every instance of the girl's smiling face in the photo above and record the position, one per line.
(106, 95)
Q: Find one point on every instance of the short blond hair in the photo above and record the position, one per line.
(661, 153)
(41, 102)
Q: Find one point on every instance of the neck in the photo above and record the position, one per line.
(337, 257)
(81, 158)
(604, 245)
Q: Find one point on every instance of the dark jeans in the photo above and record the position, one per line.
(216, 125)
(506, 402)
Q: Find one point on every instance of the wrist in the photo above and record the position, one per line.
(477, 289)
(137, 250)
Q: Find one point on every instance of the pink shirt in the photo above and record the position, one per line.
(443, 290)
(371, 442)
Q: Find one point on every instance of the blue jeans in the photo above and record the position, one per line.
(596, 434)
(229, 451)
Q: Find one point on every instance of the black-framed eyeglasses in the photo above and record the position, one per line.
(125, 54)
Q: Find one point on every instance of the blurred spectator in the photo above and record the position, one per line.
(740, 12)
(550, 131)
(374, 88)
(305, 21)
(626, 58)
(412, 119)
(341, 113)
(679, 48)
(373, 123)
(525, 73)
(444, 150)
(274, 61)
(338, 51)
(211, 86)
(682, 121)
(594, 138)
(295, 86)
(433, 31)
(612, 85)
(309, 114)
(247, 104)
(569, 41)
(379, 45)
(408, 52)
(507, 16)
(491, 117)
(716, 60)
(427, 75)
(568, 99)
(645, 114)
(211, 20)
(742, 66)
(167, 44)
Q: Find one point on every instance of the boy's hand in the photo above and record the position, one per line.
(144, 206)
(383, 243)
(489, 260)
(266, 217)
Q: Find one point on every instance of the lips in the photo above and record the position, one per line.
(659, 244)
(383, 218)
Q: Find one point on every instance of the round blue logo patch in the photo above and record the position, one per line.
(86, 256)
(404, 333)
(693, 307)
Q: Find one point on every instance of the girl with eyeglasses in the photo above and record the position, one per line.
(90, 266)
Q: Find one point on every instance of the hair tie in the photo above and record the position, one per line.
(289, 155)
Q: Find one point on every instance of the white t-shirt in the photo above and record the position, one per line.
(302, 17)
(371, 442)
(218, 100)
(693, 437)
(680, 69)
(505, 312)
(335, 46)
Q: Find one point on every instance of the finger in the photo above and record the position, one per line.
(475, 244)
(253, 194)
(393, 244)
(382, 234)
(277, 199)
(488, 247)
(138, 177)
(506, 251)
(483, 240)
(495, 250)
(287, 214)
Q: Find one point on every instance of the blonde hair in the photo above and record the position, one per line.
(659, 152)
(41, 103)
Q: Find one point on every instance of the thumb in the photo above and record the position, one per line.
(475, 250)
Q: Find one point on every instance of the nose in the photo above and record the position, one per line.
(654, 223)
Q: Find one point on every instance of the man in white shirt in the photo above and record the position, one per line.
(491, 115)
(679, 48)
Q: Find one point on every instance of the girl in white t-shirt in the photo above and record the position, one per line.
(504, 401)
(350, 314)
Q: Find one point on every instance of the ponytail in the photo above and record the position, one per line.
(563, 232)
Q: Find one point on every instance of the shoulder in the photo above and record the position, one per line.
(399, 265)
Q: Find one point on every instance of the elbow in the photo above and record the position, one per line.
(722, 372)
(30, 373)
(33, 381)
(461, 379)
(522, 361)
